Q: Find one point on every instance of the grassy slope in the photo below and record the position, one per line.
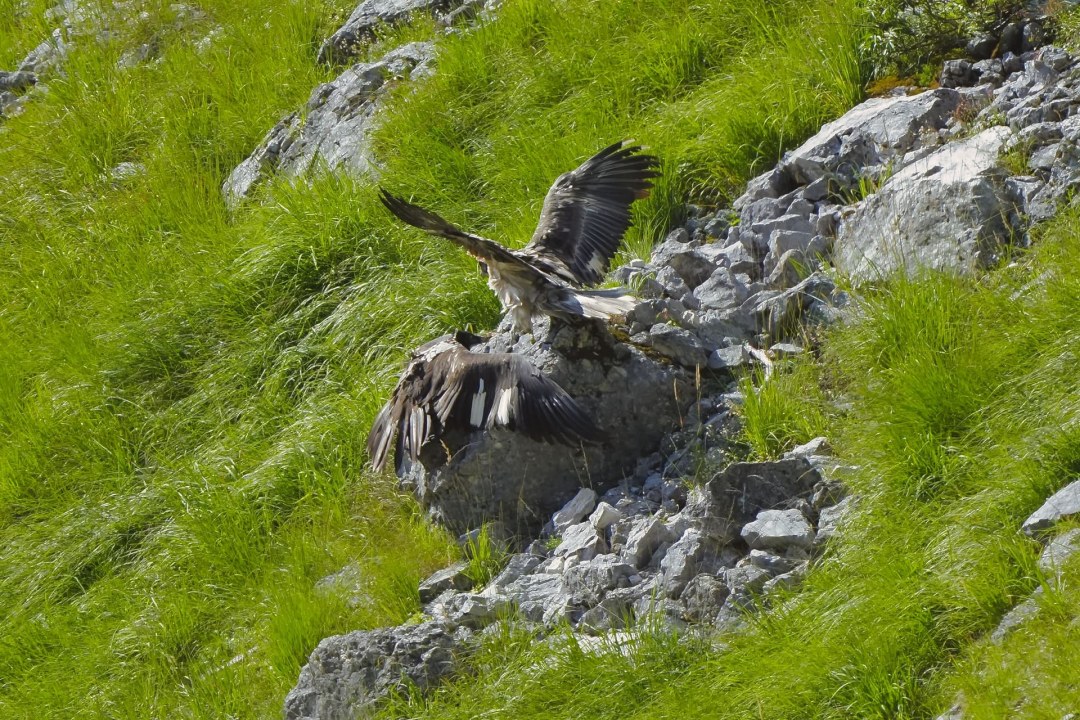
(184, 394)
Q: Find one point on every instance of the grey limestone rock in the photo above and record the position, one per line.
(1064, 503)
(735, 495)
(956, 73)
(721, 291)
(336, 126)
(16, 81)
(363, 23)
(588, 582)
(346, 675)
(682, 346)
(680, 563)
(539, 597)
(454, 577)
(48, 57)
(1058, 551)
(518, 565)
(576, 510)
(775, 564)
(581, 541)
(604, 516)
(867, 134)
(947, 211)
(829, 520)
(727, 358)
(646, 534)
(692, 266)
(1016, 617)
(704, 596)
(778, 529)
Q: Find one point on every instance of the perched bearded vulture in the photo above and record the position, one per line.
(585, 215)
(446, 388)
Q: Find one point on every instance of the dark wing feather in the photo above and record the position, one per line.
(505, 391)
(486, 251)
(449, 388)
(587, 212)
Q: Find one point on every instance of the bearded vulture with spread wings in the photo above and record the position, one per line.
(447, 389)
(585, 214)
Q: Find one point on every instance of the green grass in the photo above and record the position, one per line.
(184, 393)
(1031, 674)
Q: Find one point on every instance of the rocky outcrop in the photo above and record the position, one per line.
(947, 211)
(369, 16)
(335, 128)
(636, 400)
(346, 674)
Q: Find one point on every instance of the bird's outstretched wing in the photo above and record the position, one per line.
(458, 390)
(484, 250)
(587, 212)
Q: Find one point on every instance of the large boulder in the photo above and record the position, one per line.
(503, 475)
(868, 135)
(948, 211)
(336, 128)
(347, 674)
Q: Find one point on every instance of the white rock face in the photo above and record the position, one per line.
(779, 529)
(947, 211)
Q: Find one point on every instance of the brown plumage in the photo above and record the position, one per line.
(585, 215)
(446, 388)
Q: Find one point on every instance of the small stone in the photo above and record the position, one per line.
(1058, 551)
(817, 446)
(604, 516)
(645, 536)
(589, 581)
(829, 520)
(680, 345)
(775, 564)
(582, 542)
(575, 511)
(455, 577)
(16, 81)
(981, 46)
(518, 565)
(1017, 617)
(347, 674)
(703, 597)
(727, 358)
(788, 581)
(782, 350)
(778, 529)
(680, 563)
(746, 579)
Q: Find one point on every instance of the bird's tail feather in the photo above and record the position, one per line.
(603, 304)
